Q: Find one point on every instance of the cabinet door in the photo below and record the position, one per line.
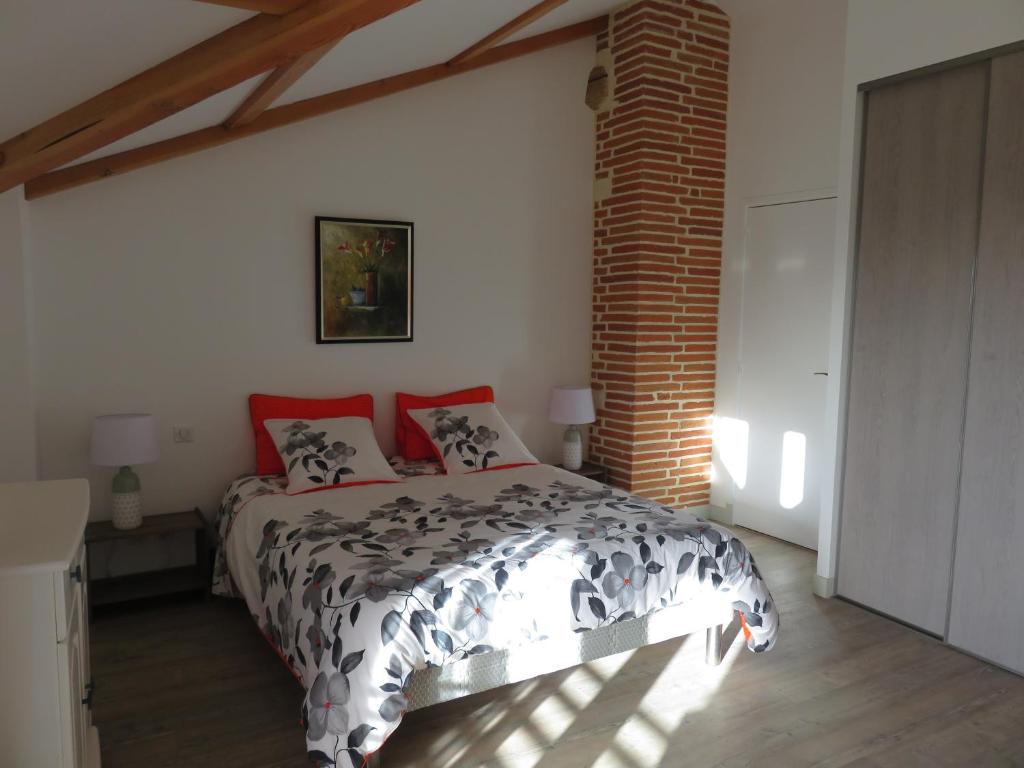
(72, 689)
(987, 611)
(84, 639)
(917, 245)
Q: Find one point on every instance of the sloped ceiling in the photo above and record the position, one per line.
(57, 53)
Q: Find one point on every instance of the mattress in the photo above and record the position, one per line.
(384, 598)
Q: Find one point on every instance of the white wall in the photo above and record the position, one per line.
(182, 288)
(783, 141)
(885, 38)
(18, 450)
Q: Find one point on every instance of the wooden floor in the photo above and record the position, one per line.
(193, 684)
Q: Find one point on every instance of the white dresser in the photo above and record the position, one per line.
(45, 688)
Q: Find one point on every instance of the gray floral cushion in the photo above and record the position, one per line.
(472, 438)
(329, 453)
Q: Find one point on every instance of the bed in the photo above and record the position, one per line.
(389, 597)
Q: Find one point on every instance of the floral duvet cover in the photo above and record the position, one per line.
(358, 587)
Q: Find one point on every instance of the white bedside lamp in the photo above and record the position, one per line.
(572, 406)
(121, 440)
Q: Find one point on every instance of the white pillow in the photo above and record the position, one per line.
(471, 438)
(329, 453)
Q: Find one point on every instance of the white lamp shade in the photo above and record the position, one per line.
(572, 405)
(124, 439)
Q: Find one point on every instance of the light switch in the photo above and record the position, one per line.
(183, 434)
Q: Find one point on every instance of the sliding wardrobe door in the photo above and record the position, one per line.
(987, 611)
(917, 243)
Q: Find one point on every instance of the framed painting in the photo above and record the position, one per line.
(363, 280)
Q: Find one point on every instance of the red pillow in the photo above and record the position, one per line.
(409, 440)
(262, 407)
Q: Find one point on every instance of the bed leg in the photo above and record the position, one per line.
(714, 648)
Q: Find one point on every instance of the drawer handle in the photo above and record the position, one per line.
(90, 689)
(76, 575)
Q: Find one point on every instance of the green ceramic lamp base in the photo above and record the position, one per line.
(572, 448)
(126, 500)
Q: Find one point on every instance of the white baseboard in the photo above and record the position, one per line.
(824, 586)
(721, 515)
(93, 749)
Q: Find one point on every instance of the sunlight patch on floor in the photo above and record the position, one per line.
(557, 712)
(582, 686)
(526, 691)
(551, 716)
(684, 685)
(606, 668)
(451, 745)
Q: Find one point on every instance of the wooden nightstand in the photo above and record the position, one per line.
(136, 586)
(591, 471)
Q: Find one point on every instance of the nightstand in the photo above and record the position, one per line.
(590, 471)
(136, 586)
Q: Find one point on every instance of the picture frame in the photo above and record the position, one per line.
(364, 280)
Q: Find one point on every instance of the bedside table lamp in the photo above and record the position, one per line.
(572, 406)
(121, 440)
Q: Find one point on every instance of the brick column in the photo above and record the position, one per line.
(659, 201)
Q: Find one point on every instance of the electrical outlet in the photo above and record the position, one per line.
(183, 434)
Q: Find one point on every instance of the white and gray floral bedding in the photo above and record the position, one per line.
(358, 587)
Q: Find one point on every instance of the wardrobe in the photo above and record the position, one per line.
(932, 527)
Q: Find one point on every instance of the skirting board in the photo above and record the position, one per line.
(824, 586)
(714, 512)
(93, 751)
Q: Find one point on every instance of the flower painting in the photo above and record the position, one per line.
(363, 280)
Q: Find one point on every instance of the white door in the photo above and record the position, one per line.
(787, 289)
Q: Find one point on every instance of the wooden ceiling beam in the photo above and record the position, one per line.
(503, 33)
(273, 7)
(197, 141)
(256, 45)
(275, 84)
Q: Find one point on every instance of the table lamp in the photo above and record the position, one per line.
(572, 406)
(121, 440)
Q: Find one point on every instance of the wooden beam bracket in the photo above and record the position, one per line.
(273, 7)
(506, 31)
(256, 45)
(275, 84)
(133, 159)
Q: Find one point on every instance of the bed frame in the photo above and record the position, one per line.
(487, 671)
